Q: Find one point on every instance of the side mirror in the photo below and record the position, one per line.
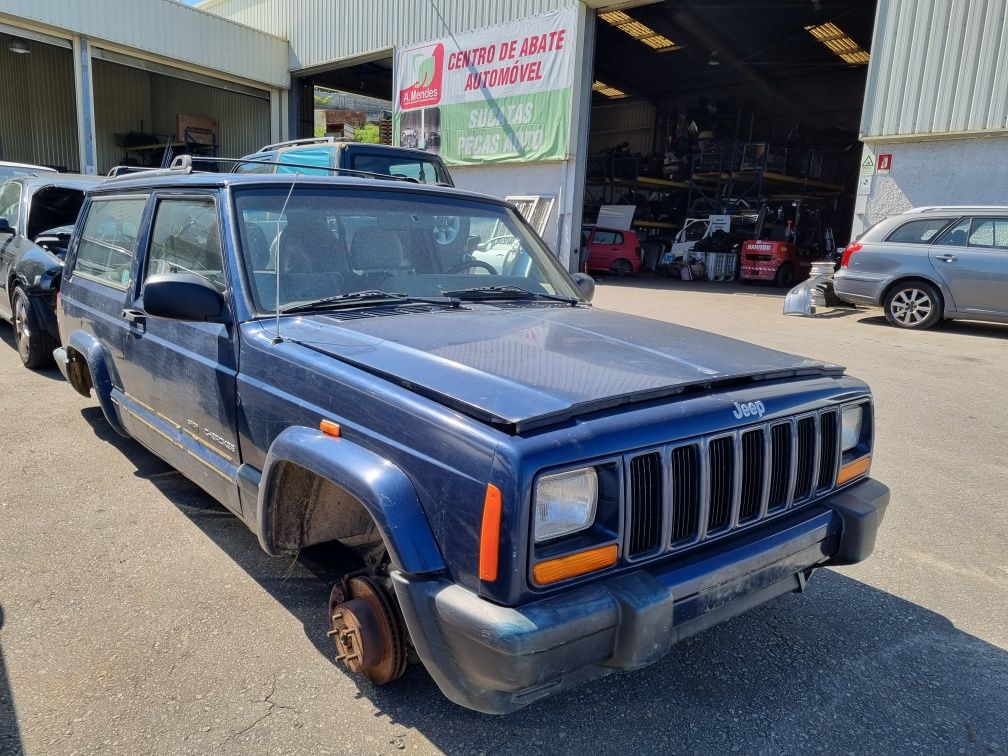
(5, 227)
(586, 283)
(182, 296)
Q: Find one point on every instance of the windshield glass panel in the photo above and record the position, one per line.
(334, 241)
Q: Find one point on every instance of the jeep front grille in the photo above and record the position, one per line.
(712, 486)
(646, 501)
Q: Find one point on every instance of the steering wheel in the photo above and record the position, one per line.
(469, 264)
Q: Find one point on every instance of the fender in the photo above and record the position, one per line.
(381, 487)
(98, 363)
(38, 270)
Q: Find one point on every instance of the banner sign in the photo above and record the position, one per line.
(495, 95)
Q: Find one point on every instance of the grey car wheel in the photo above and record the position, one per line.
(34, 344)
(913, 305)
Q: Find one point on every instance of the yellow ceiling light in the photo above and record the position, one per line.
(604, 89)
(637, 30)
(839, 43)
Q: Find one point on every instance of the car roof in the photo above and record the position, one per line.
(957, 209)
(341, 145)
(147, 180)
(65, 180)
(10, 164)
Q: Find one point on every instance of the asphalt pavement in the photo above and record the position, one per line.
(138, 616)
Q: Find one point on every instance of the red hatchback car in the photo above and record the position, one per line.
(612, 250)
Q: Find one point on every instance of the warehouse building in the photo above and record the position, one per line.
(849, 109)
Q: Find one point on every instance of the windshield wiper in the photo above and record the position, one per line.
(363, 298)
(487, 293)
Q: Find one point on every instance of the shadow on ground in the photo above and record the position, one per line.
(952, 327)
(842, 668)
(7, 337)
(10, 734)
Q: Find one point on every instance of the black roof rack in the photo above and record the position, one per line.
(183, 164)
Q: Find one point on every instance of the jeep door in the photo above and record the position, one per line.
(181, 374)
(972, 259)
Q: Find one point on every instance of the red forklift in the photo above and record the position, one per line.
(792, 233)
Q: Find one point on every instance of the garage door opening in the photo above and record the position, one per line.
(145, 114)
(348, 102)
(748, 110)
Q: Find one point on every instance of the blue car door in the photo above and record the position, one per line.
(178, 377)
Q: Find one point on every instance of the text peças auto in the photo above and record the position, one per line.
(538, 492)
(37, 213)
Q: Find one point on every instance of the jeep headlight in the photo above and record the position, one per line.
(565, 503)
(850, 427)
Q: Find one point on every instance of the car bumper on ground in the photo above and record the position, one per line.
(497, 659)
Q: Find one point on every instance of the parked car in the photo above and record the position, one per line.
(328, 152)
(538, 493)
(36, 217)
(10, 170)
(613, 250)
(931, 263)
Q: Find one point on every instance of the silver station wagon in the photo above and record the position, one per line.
(930, 264)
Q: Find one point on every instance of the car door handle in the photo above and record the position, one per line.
(948, 258)
(136, 318)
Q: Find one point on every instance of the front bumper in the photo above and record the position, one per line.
(497, 659)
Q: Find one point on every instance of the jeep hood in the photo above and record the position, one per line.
(529, 366)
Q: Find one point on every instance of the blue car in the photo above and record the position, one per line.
(537, 492)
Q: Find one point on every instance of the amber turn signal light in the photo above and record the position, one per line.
(854, 469)
(490, 534)
(574, 565)
(329, 428)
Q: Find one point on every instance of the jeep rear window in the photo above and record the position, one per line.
(918, 231)
(108, 239)
(424, 171)
(328, 241)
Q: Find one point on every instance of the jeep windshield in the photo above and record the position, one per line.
(343, 246)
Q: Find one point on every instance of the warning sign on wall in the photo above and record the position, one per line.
(884, 163)
(867, 166)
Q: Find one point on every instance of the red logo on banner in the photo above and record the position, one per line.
(426, 66)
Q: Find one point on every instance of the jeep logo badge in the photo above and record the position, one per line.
(752, 409)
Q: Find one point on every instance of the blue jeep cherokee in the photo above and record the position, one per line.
(538, 492)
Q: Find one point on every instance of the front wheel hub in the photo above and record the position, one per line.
(367, 631)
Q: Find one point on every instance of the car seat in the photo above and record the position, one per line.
(376, 254)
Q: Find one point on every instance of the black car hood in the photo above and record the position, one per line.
(529, 366)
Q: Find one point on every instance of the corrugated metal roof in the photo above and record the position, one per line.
(323, 31)
(937, 67)
(168, 29)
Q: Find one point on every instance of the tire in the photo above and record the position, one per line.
(34, 344)
(784, 276)
(621, 268)
(913, 304)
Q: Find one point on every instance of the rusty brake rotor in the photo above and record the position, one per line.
(366, 628)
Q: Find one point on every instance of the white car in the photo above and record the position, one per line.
(10, 170)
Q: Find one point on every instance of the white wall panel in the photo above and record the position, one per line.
(164, 28)
(322, 31)
(937, 67)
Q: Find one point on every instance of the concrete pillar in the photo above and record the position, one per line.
(85, 106)
(572, 207)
